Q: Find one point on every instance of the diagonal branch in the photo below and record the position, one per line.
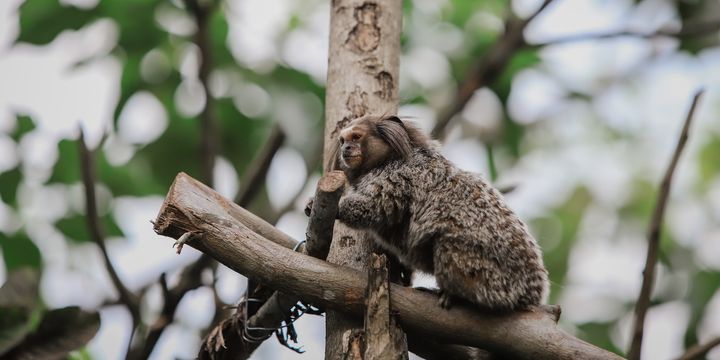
(95, 229)
(699, 350)
(653, 236)
(489, 67)
(192, 206)
(253, 178)
(691, 29)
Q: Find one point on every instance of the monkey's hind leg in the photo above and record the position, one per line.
(463, 272)
(452, 273)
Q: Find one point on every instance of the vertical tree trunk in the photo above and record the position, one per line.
(363, 73)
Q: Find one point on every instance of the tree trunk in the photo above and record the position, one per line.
(363, 71)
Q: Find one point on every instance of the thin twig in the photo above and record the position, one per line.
(489, 67)
(202, 11)
(653, 236)
(190, 278)
(700, 349)
(253, 178)
(690, 29)
(97, 234)
(95, 229)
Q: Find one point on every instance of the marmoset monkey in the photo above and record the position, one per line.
(437, 218)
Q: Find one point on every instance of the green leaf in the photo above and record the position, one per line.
(599, 335)
(67, 167)
(9, 182)
(18, 298)
(569, 215)
(709, 162)
(14, 326)
(42, 20)
(60, 332)
(20, 288)
(18, 251)
(522, 60)
(75, 227)
(703, 287)
(218, 36)
(23, 126)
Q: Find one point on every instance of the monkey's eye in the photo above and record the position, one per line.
(342, 141)
(356, 137)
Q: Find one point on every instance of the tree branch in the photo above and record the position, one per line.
(653, 236)
(192, 206)
(691, 29)
(201, 11)
(253, 177)
(700, 349)
(277, 308)
(87, 165)
(489, 67)
(384, 338)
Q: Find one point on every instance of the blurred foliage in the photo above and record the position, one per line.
(27, 331)
(26, 326)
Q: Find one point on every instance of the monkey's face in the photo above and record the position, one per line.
(352, 145)
(366, 143)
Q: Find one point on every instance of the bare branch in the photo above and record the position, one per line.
(276, 309)
(489, 67)
(190, 279)
(384, 338)
(653, 236)
(192, 206)
(97, 234)
(253, 178)
(201, 11)
(700, 350)
(691, 29)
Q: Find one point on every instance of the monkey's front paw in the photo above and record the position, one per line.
(309, 205)
(445, 302)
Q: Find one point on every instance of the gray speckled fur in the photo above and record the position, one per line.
(442, 220)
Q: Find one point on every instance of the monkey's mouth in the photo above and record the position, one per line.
(351, 160)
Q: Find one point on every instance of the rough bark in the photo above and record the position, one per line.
(227, 340)
(193, 207)
(363, 71)
(384, 338)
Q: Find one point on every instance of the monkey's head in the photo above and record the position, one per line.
(370, 141)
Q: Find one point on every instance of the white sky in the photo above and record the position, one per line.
(566, 146)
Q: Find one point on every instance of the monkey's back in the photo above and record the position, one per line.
(481, 250)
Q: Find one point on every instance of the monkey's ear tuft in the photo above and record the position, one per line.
(392, 130)
(395, 119)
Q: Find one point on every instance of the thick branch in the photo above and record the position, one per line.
(95, 229)
(653, 236)
(277, 308)
(489, 67)
(191, 206)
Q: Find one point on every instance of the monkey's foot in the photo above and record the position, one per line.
(445, 302)
(182, 240)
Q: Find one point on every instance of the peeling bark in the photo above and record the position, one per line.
(384, 338)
